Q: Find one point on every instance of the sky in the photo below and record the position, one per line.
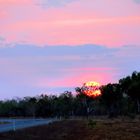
(50, 46)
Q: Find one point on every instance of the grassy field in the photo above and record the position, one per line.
(79, 130)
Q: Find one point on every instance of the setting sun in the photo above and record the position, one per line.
(91, 89)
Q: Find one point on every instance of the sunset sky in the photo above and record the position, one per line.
(49, 46)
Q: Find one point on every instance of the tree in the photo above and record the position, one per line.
(134, 93)
(131, 86)
(43, 106)
(30, 106)
(85, 104)
(111, 97)
(65, 104)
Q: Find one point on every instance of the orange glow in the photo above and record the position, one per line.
(91, 89)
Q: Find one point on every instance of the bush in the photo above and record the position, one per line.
(92, 123)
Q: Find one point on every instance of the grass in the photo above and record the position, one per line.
(3, 122)
(79, 130)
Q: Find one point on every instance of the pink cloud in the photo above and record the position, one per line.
(78, 76)
(106, 22)
(14, 2)
(74, 81)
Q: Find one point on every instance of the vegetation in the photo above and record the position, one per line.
(121, 98)
(3, 122)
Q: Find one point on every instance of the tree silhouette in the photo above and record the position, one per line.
(111, 97)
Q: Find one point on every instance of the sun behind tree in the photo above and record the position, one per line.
(91, 89)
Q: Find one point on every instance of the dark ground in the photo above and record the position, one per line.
(79, 130)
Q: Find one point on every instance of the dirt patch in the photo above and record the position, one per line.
(79, 130)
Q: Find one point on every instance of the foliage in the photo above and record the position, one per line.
(92, 123)
(121, 98)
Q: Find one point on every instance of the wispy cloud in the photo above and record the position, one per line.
(52, 68)
(137, 1)
(61, 34)
(53, 3)
(80, 22)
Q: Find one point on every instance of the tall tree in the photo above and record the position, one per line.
(111, 96)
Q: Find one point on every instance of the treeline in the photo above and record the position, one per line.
(122, 98)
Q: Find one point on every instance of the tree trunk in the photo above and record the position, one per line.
(138, 106)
